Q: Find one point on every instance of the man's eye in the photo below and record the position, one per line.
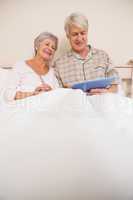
(83, 33)
(74, 34)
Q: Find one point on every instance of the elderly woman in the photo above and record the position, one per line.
(35, 75)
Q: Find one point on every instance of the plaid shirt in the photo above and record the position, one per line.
(71, 68)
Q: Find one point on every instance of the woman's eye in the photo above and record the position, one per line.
(53, 48)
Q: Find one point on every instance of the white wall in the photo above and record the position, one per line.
(111, 26)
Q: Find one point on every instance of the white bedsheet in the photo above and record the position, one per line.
(64, 145)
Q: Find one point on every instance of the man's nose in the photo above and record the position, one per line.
(79, 36)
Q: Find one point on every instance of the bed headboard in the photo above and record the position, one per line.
(126, 75)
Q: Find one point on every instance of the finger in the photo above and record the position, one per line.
(48, 88)
(35, 92)
(94, 90)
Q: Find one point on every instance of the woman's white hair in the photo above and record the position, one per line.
(76, 19)
(41, 37)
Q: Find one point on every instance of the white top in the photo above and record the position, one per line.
(26, 80)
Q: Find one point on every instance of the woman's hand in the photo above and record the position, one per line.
(43, 88)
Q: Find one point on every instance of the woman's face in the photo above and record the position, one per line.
(46, 49)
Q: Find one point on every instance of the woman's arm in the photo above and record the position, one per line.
(41, 88)
(22, 95)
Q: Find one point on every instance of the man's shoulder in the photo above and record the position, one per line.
(99, 51)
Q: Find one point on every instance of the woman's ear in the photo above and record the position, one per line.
(67, 35)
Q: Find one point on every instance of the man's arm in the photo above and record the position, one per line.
(111, 71)
(113, 88)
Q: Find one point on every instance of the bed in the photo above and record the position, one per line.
(64, 145)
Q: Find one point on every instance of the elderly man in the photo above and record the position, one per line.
(83, 62)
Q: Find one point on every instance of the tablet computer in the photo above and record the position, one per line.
(96, 83)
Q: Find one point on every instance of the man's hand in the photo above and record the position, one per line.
(112, 89)
(97, 91)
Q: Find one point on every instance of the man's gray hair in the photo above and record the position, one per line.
(76, 19)
(42, 36)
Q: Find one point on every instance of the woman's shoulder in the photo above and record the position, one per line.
(20, 66)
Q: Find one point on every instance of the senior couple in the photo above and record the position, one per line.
(81, 63)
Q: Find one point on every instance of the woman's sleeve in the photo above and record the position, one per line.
(57, 75)
(12, 85)
(55, 80)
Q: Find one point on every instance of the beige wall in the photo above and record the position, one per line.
(21, 20)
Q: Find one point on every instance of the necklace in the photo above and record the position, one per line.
(41, 79)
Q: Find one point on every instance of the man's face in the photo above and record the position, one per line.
(78, 38)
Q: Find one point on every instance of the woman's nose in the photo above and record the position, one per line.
(50, 48)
